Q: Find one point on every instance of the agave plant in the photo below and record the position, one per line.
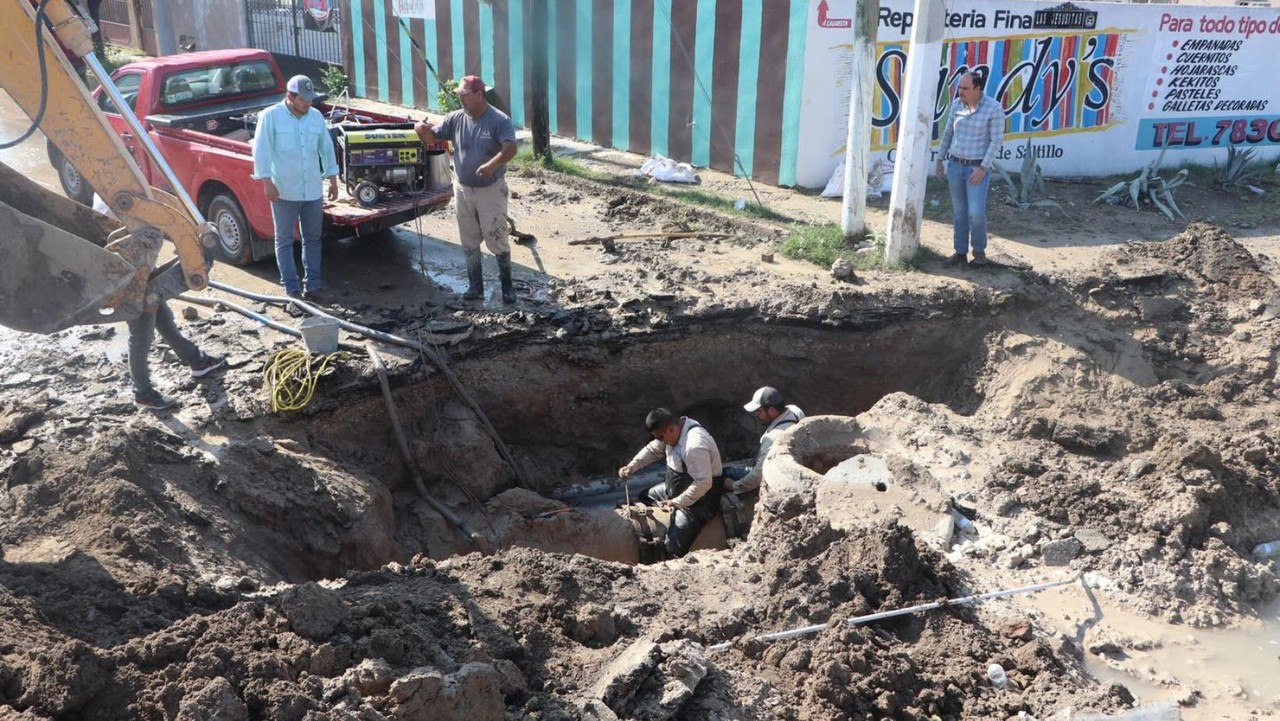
(1236, 170)
(1150, 187)
(1030, 182)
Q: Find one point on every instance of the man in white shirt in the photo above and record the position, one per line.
(772, 412)
(693, 486)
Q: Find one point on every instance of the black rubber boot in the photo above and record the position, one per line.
(504, 275)
(475, 277)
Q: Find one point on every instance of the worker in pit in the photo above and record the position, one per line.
(694, 482)
(771, 411)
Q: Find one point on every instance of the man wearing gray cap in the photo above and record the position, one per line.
(292, 154)
(776, 416)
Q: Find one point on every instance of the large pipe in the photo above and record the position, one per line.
(807, 630)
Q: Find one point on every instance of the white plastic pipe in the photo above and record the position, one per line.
(807, 630)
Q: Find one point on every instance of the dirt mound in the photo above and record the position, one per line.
(535, 635)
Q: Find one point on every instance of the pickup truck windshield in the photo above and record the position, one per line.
(217, 82)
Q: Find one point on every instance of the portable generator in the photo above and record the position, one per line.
(381, 157)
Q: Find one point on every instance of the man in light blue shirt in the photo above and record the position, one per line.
(970, 143)
(292, 152)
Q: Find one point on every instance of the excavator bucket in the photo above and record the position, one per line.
(56, 272)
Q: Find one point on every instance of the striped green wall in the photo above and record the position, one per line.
(711, 82)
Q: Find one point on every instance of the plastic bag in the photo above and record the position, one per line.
(879, 180)
(668, 171)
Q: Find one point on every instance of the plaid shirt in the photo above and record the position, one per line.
(974, 133)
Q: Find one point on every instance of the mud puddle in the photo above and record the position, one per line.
(1205, 667)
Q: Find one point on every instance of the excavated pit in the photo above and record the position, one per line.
(572, 414)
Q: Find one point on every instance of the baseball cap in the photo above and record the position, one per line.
(302, 86)
(765, 396)
(470, 84)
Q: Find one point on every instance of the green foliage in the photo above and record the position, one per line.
(1030, 183)
(1148, 187)
(821, 245)
(334, 79)
(112, 58)
(447, 96)
(1236, 170)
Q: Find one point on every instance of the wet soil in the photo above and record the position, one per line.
(1109, 415)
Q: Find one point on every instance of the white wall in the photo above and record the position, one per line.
(1092, 101)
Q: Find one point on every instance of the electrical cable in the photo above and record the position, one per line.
(38, 118)
(435, 358)
(291, 377)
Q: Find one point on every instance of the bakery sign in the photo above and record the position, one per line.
(1065, 17)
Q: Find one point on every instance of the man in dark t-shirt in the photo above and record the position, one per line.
(484, 141)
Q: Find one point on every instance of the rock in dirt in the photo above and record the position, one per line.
(1140, 467)
(1093, 540)
(471, 694)
(1019, 630)
(1088, 437)
(15, 420)
(217, 701)
(372, 676)
(652, 682)
(1060, 553)
(313, 611)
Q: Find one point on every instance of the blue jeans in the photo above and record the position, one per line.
(969, 207)
(286, 214)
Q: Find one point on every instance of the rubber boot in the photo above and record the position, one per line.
(475, 277)
(504, 275)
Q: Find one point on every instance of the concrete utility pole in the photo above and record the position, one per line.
(857, 144)
(915, 126)
(166, 41)
(539, 110)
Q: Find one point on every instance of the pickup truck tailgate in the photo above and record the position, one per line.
(347, 214)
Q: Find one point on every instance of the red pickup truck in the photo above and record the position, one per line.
(201, 110)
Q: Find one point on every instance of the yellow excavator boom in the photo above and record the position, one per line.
(61, 267)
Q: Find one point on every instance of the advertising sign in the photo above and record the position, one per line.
(420, 9)
(1096, 87)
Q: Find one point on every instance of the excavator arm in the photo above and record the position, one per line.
(63, 264)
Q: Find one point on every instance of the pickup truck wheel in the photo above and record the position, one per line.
(73, 183)
(235, 243)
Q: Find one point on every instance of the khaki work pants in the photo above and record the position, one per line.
(482, 215)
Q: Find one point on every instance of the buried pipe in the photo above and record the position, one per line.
(403, 444)
(430, 354)
(808, 630)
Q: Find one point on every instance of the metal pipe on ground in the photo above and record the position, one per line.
(809, 630)
(429, 353)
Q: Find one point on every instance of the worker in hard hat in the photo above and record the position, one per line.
(771, 411)
(694, 482)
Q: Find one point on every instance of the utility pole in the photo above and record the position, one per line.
(166, 41)
(915, 129)
(857, 145)
(539, 113)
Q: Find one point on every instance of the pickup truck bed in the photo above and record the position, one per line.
(203, 129)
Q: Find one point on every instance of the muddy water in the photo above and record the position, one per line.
(1229, 673)
(1239, 666)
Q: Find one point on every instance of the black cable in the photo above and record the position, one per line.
(44, 80)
